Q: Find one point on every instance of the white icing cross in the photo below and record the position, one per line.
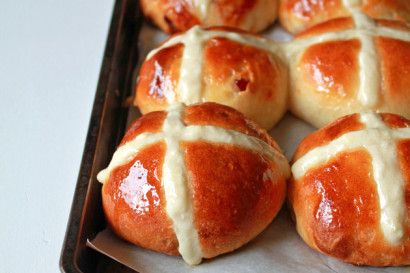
(368, 59)
(202, 8)
(380, 142)
(174, 180)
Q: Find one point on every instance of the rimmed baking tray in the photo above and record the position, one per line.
(111, 114)
(114, 86)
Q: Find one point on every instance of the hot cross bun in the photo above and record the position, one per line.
(197, 181)
(240, 70)
(180, 15)
(350, 65)
(350, 189)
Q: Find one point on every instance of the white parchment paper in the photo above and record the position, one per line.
(277, 249)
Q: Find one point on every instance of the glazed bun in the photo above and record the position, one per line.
(197, 181)
(235, 69)
(349, 189)
(180, 15)
(298, 15)
(350, 65)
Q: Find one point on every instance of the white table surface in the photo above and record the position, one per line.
(50, 57)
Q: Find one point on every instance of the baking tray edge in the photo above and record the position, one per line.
(125, 19)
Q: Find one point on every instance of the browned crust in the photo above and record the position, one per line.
(330, 69)
(146, 124)
(395, 69)
(246, 78)
(174, 16)
(233, 199)
(335, 25)
(233, 12)
(158, 78)
(215, 114)
(298, 15)
(346, 23)
(395, 121)
(388, 9)
(170, 15)
(144, 223)
(331, 132)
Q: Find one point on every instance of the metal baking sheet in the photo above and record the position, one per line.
(107, 124)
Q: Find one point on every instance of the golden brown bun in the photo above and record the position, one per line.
(325, 76)
(336, 203)
(232, 198)
(298, 15)
(249, 79)
(180, 15)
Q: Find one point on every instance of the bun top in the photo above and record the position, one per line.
(179, 15)
(234, 68)
(385, 138)
(350, 65)
(206, 124)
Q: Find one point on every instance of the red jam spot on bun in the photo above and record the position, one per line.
(241, 84)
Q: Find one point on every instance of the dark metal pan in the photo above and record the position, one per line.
(107, 125)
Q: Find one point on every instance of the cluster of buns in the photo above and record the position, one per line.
(178, 180)
(256, 15)
(343, 66)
